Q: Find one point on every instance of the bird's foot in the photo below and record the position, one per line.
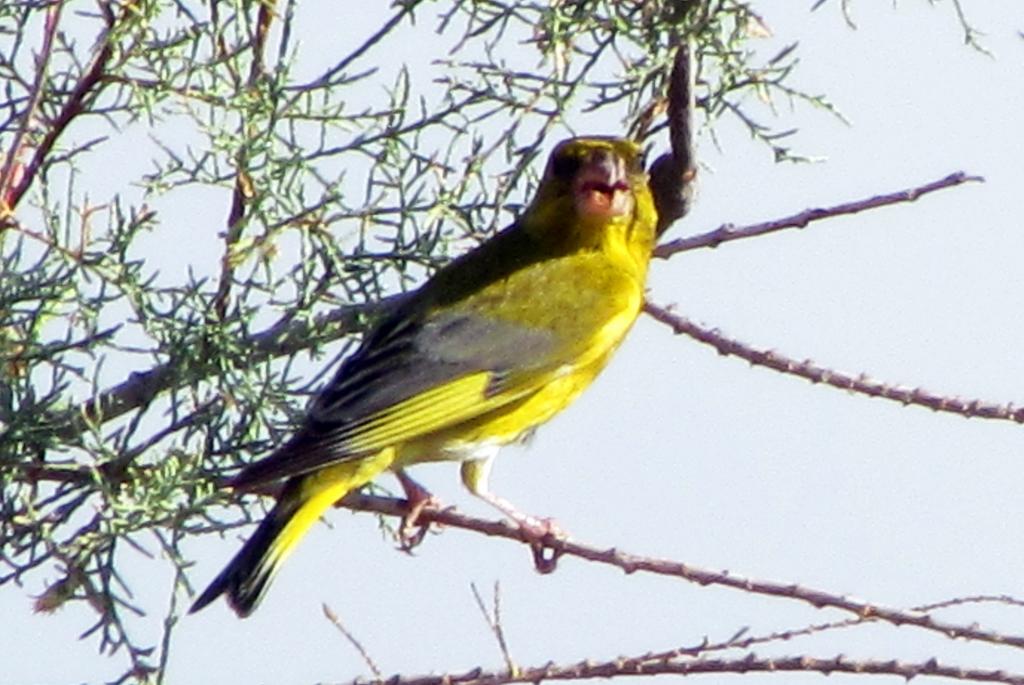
(544, 536)
(411, 532)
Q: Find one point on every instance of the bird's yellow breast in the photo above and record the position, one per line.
(591, 319)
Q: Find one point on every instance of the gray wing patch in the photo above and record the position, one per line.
(439, 350)
(487, 343)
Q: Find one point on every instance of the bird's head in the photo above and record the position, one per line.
(595, 182)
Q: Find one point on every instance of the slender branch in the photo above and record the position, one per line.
(971, 34)
(77, 103)
(494, 622)
(7, 179)
(729, 232)
(243, 186)
(51, 350)
(744, 641)
(406, 9)
(751, 663)
(554, 548)
(352, 640)
(673, 176)
(816, 373)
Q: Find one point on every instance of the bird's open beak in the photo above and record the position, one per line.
(601, 188)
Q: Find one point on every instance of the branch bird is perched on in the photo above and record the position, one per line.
(494, 344)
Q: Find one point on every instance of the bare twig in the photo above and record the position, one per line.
(844, 7)
(494, 623)
(406, 10)
(744, 641)
(971, 34)
(1008, 600)
(367, 659)
(728, 232)
(816, 373)
(630, 563)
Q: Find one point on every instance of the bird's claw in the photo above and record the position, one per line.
(543, 534)
(411, 532)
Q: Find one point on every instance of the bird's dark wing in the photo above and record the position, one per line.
(413, 377)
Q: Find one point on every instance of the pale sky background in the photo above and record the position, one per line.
(679, 453)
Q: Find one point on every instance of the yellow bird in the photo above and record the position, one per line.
(493, 345)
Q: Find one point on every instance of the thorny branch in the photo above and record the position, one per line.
(816, 373)
(555, 548)
(751, 663)
(728, 232)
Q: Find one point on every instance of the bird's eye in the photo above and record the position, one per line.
(565, 166)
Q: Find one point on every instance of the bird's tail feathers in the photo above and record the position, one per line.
(247, 576)
(301, 503)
